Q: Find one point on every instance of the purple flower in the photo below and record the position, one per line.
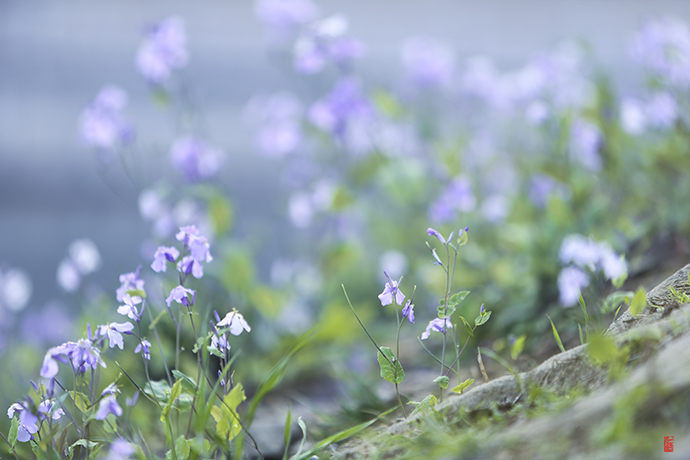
(162, 255)
(341, 107)
(389, 291)
(662, 110)
(235, 321)
(277, 118)
(612, 264)
(188, 265)
(101, 124)
(585, 140)
(111, 389)
(408, 311)
(283, 17)
(221, 343)
(145, 348)
(120, 450)
(129, 308)
(457, 197)
(324, 42)
(114, 333)
(633, 117)
(431, 232)
(570, 283)
(194, 159)
(663, 47)
(180, 295)
(129, 282)
(437, 325)
(82, 355)
(28, 422)
(196, 243)
(108, 406)
(579, 250)
(428, 62)
(163, 49)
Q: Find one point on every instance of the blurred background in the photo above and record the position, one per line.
(55, 188)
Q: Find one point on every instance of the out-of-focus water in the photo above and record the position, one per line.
(55, 56)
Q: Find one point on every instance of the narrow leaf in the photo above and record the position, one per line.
(638, 302)
(556, 336)
(483, 318)
(427, 403)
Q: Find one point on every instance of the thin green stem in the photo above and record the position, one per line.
(160, 347)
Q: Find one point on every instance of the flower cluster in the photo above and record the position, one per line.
(102, 124)
(30, 419)
(163, 49)
(584, 253)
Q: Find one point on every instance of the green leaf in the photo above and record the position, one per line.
(227, 419)
(158, 389)
(602, 349)
(518, 346)
(463, 386)
(137, 293)
(188, 382)
(582, 337)
(483, 318)
(615, 299)
(286, 432)
(338, 436)
(427, 403)
(80, 399)
(92, 446)
(638, 302)
(182, 449)
(444, 312)
(556, 336)
(174, 393)
(160, 315)
(14, 429)
(391, 369)
(442, 381)
(458, 297)
(470, 331)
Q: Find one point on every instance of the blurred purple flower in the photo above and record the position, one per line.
(28, 422)
(663, 47)
(324, 42)
(431, 232)
(180, 295)
(585, 141)
(120, 450)
(81, 355)
(277, 118)
(457, 197)
(437, 325)
(102, 124)
(163, 255)
(111, 389)
(145, 348)
(391, 291)
(428, 62)
(345, 103)
(108, 406)
(662, 110)
(188, 265)
(15, 289)
(580, 250)
(194, 160)
(235, 321)
(163, 49)
(633, 117)
(541, 187)
(570, 282)
(496, 208)
(129, 282)
(220, 343)
(283, 17)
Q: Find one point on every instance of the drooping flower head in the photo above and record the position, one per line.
(145, 348)
(391, 291)
(163, 254)
(437, 325)
(181, 295)
(408, 311)
(108, 406)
